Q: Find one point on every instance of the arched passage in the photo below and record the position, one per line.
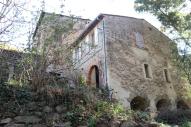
(182, 105)
(163, 104)
(139, 103)
(93, 76)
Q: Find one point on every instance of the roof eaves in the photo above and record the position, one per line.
(48, 13)
(88, 28)
(60, 15)
(170, 40)
(121, 16)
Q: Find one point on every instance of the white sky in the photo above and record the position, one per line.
(92, 8)
(87, 9)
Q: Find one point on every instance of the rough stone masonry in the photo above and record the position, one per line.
(133, 59)
(128, 56)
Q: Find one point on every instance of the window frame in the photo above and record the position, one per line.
(92, 38)
(166, 75)
(139, 40)
(147, 71)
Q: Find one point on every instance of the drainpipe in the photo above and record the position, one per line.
(105, 58)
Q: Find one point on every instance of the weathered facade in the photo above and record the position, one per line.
(126, 55)
(131, 58)
(53, 34)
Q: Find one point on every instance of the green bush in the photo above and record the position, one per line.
(177, 117)
(13, 93)
(142, 115)
(186, 124)
(112, 110)
(81, 80)
(91, 121)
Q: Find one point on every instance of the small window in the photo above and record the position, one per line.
(100, 33)
(147, 71)
(74, 56)
(92, 39)
(79, 53)
(83, 48)
(139, 40)
(88, 44)
(86, 48)
(167, 76)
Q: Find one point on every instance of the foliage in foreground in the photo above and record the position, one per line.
(175, 117)
(84, 106)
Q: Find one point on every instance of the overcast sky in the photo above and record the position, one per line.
(87, 9)
(91, 8)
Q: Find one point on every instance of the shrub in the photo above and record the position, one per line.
(140, 115)
(111, 110)
(91, 121)
(177, 117)
(186, 124)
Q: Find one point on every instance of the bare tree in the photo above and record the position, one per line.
(11, 19)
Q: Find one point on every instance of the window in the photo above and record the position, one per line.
(92, 39)
(74, 56)
(83, 48)
(167, 76)
(88, 44)
(100, 35)
(147, 71)
(139, 40)
(79, 53)
(86, 48)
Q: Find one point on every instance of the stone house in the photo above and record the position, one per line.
(126, 55)
(132, 59)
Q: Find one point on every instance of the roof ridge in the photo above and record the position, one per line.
(62, 15)
(120, 16)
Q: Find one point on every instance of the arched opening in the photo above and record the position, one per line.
(182, 105)
(93, 76)
(163, 105)
(139, 103)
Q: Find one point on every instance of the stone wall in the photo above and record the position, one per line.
(48, 21)
(132, 45)
(126, 62)
(53, 36)
(94, 58)
(10, 67)
(134, 60)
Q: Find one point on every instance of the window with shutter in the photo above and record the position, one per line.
(139, 40)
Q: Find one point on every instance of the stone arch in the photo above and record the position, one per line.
(93, 76)
(139, 103)
(163, 104)
(181, 104)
